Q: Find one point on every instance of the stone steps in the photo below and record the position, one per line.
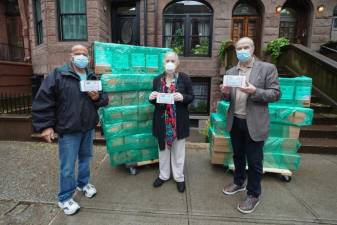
(318, 145)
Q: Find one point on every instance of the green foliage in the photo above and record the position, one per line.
(200, 107)
(222, 50)
(204, 131)
(201, 49)
(274, 47)
(177, 43)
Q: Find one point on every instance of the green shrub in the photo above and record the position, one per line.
(274, 47)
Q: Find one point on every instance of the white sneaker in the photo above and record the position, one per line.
(69, 207)
(89, 190)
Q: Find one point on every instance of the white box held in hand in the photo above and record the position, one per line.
(90, 85)
(234, 81)
(165, 98)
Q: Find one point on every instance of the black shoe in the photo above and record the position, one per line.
(181, 186)
(158, 182)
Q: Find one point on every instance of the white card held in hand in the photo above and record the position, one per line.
(165, 98)
(91, 85)
(234, 81)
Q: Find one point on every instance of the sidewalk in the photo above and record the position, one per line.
(28, 187)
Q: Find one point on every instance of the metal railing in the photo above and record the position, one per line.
(12, 53)
(15, 103)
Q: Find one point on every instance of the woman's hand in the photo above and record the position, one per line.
(225, 89)
(178, 97)
(153, 95)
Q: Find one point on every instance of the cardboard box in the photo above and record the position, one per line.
(221, 158)
(100, 69)
(283, 131)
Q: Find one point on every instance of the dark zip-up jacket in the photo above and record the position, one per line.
(184, 87)
(59, 103)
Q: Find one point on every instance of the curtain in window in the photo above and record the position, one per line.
(38, 10)
(203, 28)
(168, 32)
(74, 19)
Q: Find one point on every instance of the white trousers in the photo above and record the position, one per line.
(175, 159)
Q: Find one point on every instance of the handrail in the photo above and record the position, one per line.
(304, 61)
(330, 49)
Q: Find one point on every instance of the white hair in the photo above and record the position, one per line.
(173, 54)
(245, 40)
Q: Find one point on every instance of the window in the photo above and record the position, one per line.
(38, 22)
(245, 9)
(188, 28)
(72, 20)
(201, 89)
(334, 25)
(288, 24)
(125, 23)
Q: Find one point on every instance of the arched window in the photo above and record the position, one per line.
(288, 23)
(247, 20)
(334, 25)
(188, 28)
(245, 9)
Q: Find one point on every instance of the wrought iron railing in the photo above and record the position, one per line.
(12, 53)
(15, 103)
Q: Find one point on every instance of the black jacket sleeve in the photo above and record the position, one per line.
(44, 104)
(154, 88)
(188, 96)
(103, 100)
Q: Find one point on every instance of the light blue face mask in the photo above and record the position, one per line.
(243, 55)
(81, 61)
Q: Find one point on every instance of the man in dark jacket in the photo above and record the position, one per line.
(60, 106)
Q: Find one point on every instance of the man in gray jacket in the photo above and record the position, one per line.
(248, 120)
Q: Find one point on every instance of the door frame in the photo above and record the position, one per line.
(257, 42)
(115, 29)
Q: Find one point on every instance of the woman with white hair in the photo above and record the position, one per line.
(171, 121)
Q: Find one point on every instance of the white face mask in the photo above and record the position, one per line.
(170, 67)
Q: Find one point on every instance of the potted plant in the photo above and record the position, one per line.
(274, 48)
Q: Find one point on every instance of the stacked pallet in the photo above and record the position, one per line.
(127, 75)
(286, 117)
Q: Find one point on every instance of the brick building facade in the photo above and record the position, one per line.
(203, 23)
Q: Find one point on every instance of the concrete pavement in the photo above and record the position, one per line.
(29, 178)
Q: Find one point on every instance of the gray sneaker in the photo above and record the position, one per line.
(248, 205)
(232, 188)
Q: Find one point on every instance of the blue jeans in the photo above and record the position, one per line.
(72, 147)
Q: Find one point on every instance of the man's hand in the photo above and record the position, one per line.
(94, 95)
(250, 89)
(48, 134)
(178, 97)
(153, 95)
(225, 89)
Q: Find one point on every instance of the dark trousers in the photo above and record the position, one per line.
(245, 148)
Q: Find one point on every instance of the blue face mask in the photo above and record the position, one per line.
(243, 55)
(80, 61)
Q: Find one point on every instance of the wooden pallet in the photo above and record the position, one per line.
(143, 163)
(285, 173)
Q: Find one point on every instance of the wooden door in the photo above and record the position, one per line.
(247, 26)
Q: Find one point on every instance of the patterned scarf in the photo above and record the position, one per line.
(170, 115)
